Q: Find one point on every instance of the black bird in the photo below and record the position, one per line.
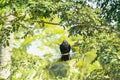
(65, 49)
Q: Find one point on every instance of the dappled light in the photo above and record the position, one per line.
(60, 40)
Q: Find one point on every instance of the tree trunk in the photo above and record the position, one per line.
(5, 53)
(5, 60)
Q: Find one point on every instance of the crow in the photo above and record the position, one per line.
(65, 49)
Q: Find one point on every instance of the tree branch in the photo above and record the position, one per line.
(46, 22)
(100, 27)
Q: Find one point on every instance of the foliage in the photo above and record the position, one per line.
(27, 66)
(110, 10)
(95, 44)
(31, 13)
(96, 54)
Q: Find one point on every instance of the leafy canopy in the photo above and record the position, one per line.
(89, 27)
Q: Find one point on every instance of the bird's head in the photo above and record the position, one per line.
(65, 42)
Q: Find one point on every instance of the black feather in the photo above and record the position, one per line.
(65, 49)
